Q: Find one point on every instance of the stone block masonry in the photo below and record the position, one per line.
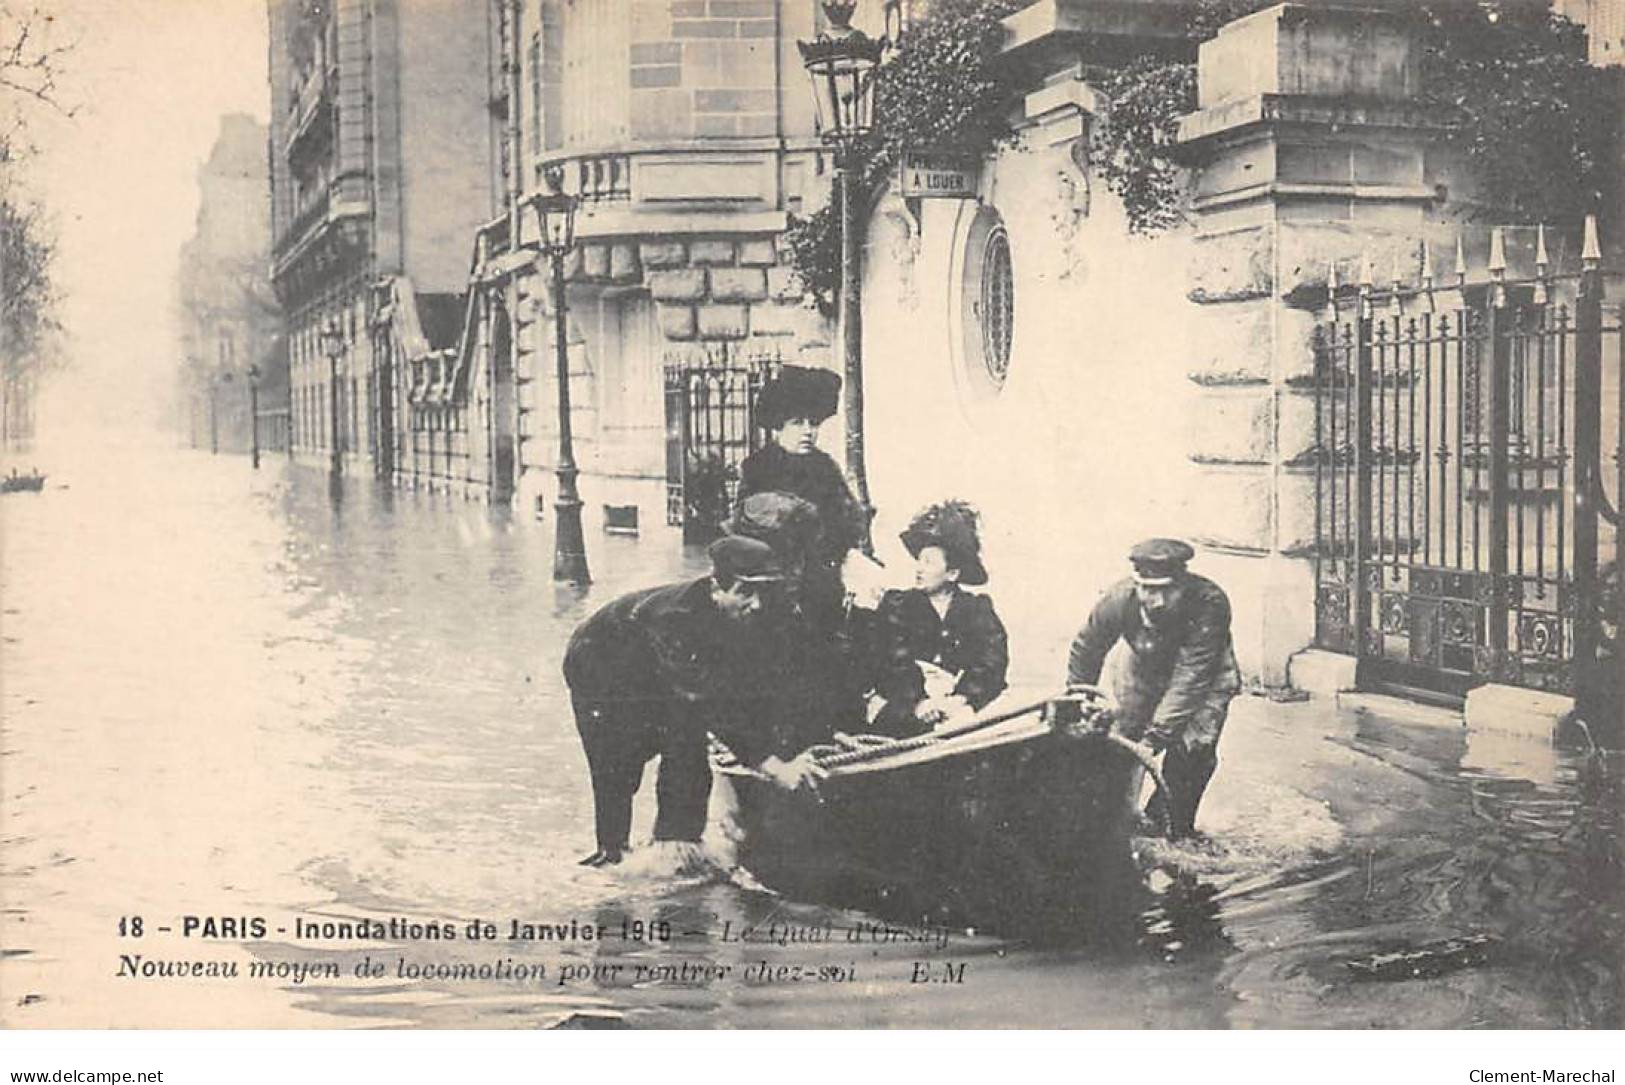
(707, 289)
(704, 68)
(1281, 193)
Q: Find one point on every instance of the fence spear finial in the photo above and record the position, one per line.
(1398, 280)
(1498, 265)
(1331, 289)
(1365, 284)
(1461, 262)
(1427, 275)
(1590, 251)
(1542, 261)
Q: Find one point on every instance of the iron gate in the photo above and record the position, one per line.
(1461, 512)
(710, 429)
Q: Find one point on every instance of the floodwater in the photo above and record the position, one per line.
(229, 698)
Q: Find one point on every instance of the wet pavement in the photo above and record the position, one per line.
(227, 697)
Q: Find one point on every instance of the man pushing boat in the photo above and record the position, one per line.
(1180, 674)
(652, 671)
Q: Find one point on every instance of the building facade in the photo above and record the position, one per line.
(1086, 386)
(380, 152)
(229, 318)
(686, 131)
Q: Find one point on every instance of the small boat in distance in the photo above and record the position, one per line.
(1014, 820)
(17, 483)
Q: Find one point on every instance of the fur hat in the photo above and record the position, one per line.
(785, 522)
(798, 392)
(952, 525)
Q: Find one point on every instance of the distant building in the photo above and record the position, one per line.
(229, 318)
(380, 167)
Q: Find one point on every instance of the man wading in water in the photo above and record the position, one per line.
(652, 671)
(1180, 675)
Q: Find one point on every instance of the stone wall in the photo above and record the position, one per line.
(704, 68)
(1308, 153)
(1079, 453)
(636, 304)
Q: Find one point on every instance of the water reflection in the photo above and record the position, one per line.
(226, 693)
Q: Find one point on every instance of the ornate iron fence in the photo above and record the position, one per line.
(1464, 529)
(710, 429)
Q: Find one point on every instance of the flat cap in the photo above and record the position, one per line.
(739, 558)
(1159, 561)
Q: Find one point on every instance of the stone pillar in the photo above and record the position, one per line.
(1308, 150)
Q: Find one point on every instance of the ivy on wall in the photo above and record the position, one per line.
(939, 92)
(1508, 77)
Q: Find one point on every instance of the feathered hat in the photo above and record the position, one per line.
(952, 525)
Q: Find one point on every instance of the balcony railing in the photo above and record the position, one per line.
(306, 108)
(593, 177)
(346, 196)
(314, 211)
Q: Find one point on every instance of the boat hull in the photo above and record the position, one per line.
(1020, 829)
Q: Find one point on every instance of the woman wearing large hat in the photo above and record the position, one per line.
(943, 652)
(791, 407)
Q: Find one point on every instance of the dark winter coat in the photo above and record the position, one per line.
(968, 640)
(813, 477)
(669, 650)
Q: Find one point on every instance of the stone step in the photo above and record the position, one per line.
(1400, 710)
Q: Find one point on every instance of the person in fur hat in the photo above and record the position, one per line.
(943, 652)
(791, 407)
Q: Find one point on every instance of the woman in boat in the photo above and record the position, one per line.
(792, 406)
(942, 652)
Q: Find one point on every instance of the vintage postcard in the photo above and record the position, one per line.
(690, 514)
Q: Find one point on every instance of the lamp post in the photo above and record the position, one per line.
(841, 62)
(214, 426)
(556, 211)
(333, 346)
(254, 416)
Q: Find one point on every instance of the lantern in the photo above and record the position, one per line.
(556, 215)
(841, 63)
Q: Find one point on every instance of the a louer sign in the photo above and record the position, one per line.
(932, 175)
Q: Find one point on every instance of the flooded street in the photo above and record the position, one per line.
(225, 695)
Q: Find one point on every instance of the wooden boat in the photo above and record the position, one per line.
(1013, 820)
(15, 483)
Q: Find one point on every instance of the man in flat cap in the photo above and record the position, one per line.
(1180, 672)
(652, 671)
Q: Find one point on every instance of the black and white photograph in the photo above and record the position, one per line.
(542, 515)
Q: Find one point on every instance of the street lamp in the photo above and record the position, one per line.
(254, 416)
(214, 425)
(556, 212)
(841, 62)
(333, 346)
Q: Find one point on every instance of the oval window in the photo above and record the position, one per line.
(996, 311)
